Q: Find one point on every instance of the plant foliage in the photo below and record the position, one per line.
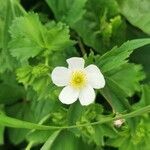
(40, 35)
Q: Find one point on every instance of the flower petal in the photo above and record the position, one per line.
(68, 95)
(95, 77)
(87, 95)
(75, 63)
(60, 76)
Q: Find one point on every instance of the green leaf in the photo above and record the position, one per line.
(48, 144)
(7, 62)
(11, 11)
(31, 111)
(23, 112)
(134, 76)
(38, 137)
(132, 141)
(68, 141)
(114, 66)
(108, 130)
(1, 32)
(56, 116)
(28, 41)
(141, 56)
(38, 78)
(145, 95)
(58, 37)
(74, 113)
(9, 83)
(2, 128)
(135, 11)
(67, 11)
(144, 101)
(8, 11)
(81, 115)
(102, 131)
(118, 56)
(100, 25)
(1, 135)
(16, 93)
(115, 95)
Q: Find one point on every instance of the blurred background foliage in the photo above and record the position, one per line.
(37, 35)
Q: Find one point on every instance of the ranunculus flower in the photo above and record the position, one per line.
(79, 82)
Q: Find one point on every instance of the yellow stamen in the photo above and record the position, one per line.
(78, 79)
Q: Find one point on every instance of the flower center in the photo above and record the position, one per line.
(78, 79)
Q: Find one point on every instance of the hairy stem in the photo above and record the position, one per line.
(15, 123)
(83, 51)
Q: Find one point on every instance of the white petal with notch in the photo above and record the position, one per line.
(87, 95)
(60, 76)
(75, 63)
(95, 77)
(68, 95)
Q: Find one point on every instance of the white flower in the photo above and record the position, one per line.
(78, 81)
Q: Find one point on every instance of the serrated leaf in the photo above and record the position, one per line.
(113, 65)
(26, 39)
(38, 78)
(102, 131)
(118, 56)
(58, 37)
(128, 76)
(30, 37)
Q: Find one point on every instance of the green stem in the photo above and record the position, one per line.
(20, 7)
(83, 51)
(37, 5)
(15, 123)
(12, 8)
(44, 119)
(29, 146)
(46, 61)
